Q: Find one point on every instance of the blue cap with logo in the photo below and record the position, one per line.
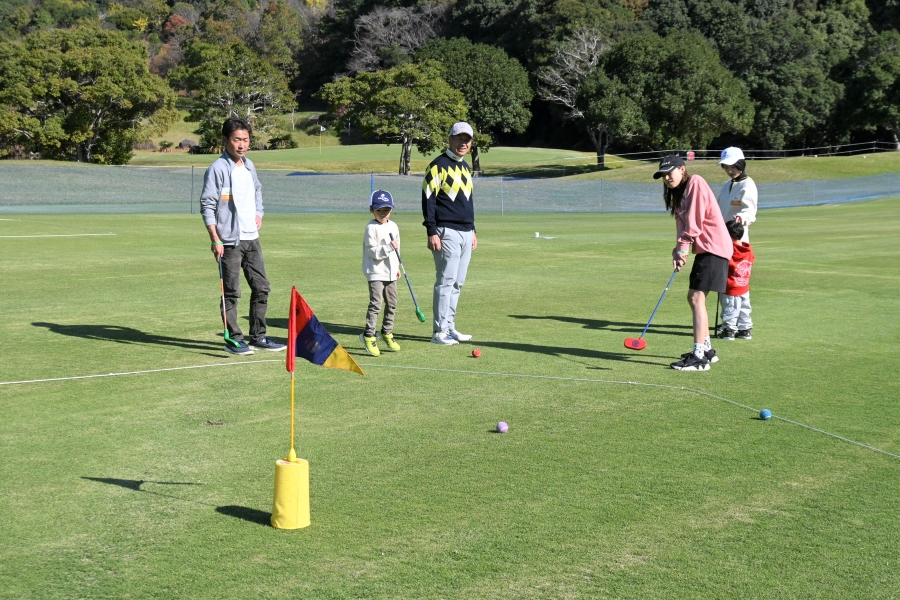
(381, 199)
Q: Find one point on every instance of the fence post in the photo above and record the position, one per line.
(501, 195)
(192, 189)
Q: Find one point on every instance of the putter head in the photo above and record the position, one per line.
(635, 344)
(420, 315)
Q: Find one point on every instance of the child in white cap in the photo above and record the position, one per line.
(381, 266)
(738, 200)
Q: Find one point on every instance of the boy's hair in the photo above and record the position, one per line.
(235, 124)
(673, 196)
(735, 229)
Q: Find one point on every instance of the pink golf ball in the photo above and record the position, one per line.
(502, 427)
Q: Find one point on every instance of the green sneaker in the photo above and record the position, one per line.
(369, 343)
(389, 340)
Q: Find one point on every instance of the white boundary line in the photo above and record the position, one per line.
(54, 235)
(671, 387)
(496, 374)
(228, 364)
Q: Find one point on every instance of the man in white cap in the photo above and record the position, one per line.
(450, 225)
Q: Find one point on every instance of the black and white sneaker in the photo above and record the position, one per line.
(726, 334)
(743, 334)
(710, 355)
(691, 363)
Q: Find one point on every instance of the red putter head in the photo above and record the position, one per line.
(635, 344)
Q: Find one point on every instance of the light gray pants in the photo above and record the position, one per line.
(378, 290)
(736, 312)
(450, 264)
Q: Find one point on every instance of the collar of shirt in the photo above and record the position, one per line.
(453, 155)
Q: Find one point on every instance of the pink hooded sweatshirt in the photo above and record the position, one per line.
(699, 221)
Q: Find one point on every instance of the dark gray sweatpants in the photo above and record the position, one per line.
(247, 256)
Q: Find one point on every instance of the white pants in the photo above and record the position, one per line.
(450, 264)
(736, 312)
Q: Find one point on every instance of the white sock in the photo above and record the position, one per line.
(699, 351)
(706, 344)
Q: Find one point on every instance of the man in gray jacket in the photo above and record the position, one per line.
(232, 210)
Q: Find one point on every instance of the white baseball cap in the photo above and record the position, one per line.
(460, 128)
(731, 155)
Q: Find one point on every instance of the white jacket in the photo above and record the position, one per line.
(739, 198)
(380, 262)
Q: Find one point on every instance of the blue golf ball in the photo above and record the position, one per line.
(765, 414)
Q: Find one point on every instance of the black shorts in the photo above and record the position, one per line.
(709, 273)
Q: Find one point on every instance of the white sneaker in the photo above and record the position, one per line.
(443, 338)
(460, 337)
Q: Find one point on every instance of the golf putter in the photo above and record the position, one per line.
(419, 313)
(227, 337)
(640, 343)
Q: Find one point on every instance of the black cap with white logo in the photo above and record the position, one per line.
(667, 165)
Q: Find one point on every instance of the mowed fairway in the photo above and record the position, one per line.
(619, 477)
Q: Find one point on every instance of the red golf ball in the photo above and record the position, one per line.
(476, 352)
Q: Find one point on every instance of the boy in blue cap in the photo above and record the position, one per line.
(381, 266)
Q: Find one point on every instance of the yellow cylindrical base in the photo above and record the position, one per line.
(291, 506)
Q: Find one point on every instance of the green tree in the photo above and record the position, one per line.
(529, 30)
(68, 12)
(671, 92)
(231, 81)
(885, 14)
(873, 92)
(787, 74)
(81, 94)
(495, 87)
(410, 104)
(560, 82)
(279, 36)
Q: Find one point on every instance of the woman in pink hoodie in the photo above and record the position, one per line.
(701, 229)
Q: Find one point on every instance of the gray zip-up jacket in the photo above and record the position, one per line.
(216, 202)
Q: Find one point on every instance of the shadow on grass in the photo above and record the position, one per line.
(125, 335)
(600, 324)
(260, 517)
(135, 484)
(558, 351)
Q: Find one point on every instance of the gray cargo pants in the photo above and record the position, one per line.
(378, 290)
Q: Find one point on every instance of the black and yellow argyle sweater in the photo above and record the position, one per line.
(447, 195)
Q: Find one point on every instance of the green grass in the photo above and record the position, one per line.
(364, 158)
(799, 168)
(159, 485)
(326, 153)
(536, 162)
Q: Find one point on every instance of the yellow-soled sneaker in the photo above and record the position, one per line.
(370, 344)
(389, 340)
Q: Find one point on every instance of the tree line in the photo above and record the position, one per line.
(86, 79)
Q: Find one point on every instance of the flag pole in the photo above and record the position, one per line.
(292, 455)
